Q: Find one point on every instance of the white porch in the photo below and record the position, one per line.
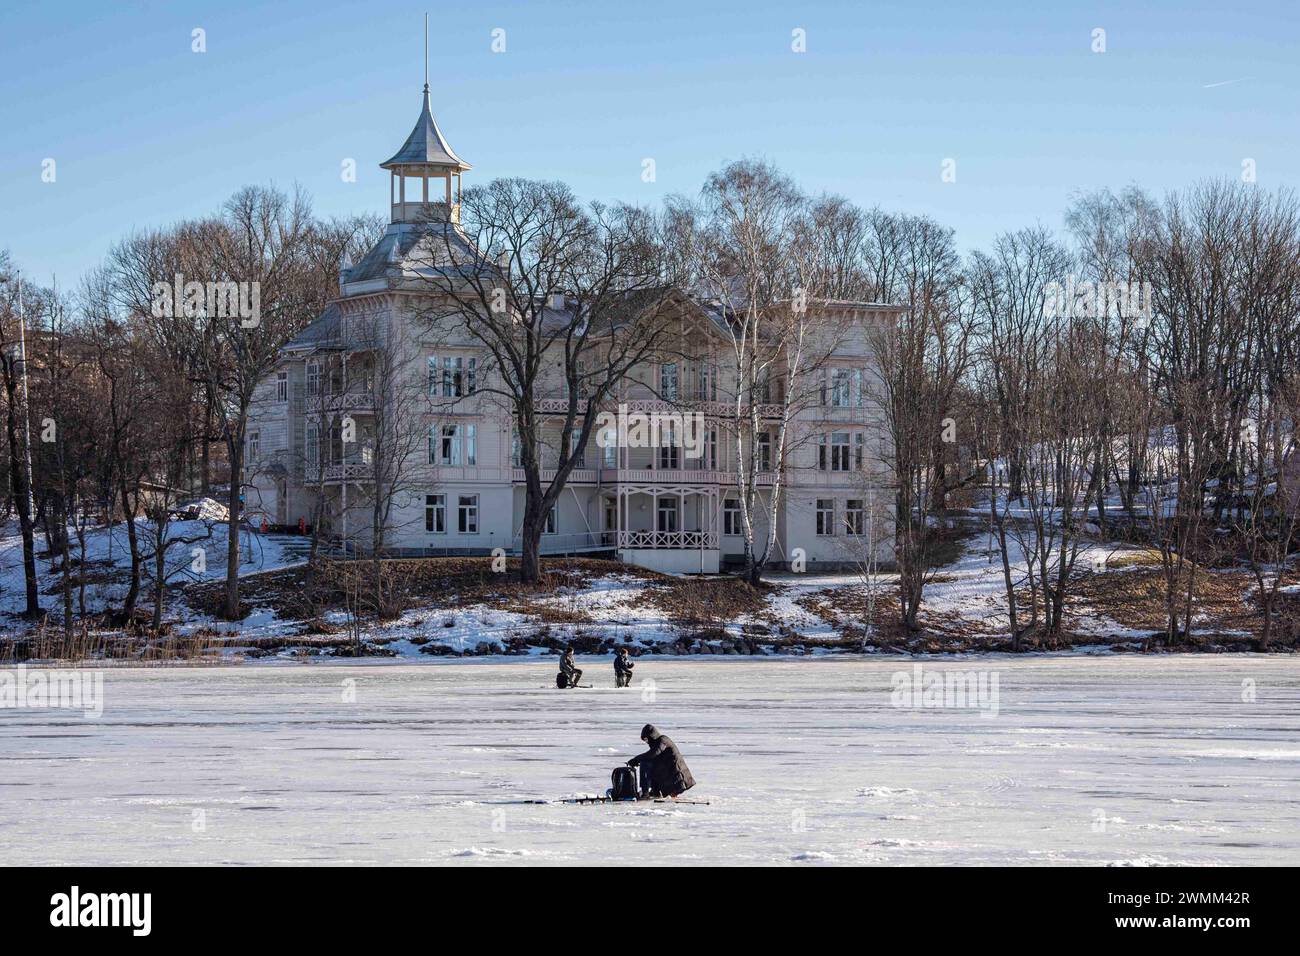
(671, 528)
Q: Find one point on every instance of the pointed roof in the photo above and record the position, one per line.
(426, 146)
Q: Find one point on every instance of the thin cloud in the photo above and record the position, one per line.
(1211, 86)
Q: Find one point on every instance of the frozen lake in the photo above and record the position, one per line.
(805, 761)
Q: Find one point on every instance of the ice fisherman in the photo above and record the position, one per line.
(569, 668)
(663, 771)
(622, 668)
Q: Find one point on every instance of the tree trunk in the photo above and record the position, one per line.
(18, 479)
(128, 513)
(530, 546)
(159, 572)
(231, 608)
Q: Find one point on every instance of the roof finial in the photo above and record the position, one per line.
(426, 53)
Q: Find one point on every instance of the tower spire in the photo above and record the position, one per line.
(425, 157)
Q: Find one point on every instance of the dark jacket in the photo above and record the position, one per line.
(662, 765)
(623, 664)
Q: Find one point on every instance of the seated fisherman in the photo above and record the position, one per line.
(569, 668)
(622, 668)
(663, 771)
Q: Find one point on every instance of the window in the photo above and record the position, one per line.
(833, 452)
(313, 377)
(311, 448)
(825, 516)
(669, 448)
(281, 386)
(254, 445)
(859, 450)
(731, 520)
(841, 387)
(764, 451)
(709, 460)
(846, 387)
(435, 514)
(467, 514)
(453, 445)
(855, 522)
(578, 450)
(335, 450)
(668, 381)
(706, 385)
(457, 377)
(667, 514)
(552, 521)
(611, 449)
(516, 447)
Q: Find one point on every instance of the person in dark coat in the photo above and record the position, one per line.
(569, 668)
(663, 771)
(622, 668)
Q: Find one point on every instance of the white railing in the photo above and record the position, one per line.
(547, 475)
(646, 476)
(679, 476)
(360, 401)
(350, 470)
(713, 409)
(680, 540)
(570, 543)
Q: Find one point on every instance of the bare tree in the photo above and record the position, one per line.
(385, 363)
(563, 299)
(262, 240)
(920, 365)
(17, 432)
(759, 258)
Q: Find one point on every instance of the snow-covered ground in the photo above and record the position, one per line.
(1116, 760)
(108, 558)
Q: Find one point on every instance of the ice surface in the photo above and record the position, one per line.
(1119, 760)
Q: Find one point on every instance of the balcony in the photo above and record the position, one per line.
(352, 470)
(677, 476)
(357, 402)
(646, 476)
(708, 408)
(579, 476)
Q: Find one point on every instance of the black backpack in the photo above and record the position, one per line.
(624, 783)
(561, 681)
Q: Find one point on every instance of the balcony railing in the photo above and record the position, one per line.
(663, 540)
(333, 404)
(350, 470)
(647, 476)
(577, 477)
(712, 409)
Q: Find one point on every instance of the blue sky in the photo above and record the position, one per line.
(144, 131)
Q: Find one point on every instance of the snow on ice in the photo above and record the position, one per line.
(1123, 761)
